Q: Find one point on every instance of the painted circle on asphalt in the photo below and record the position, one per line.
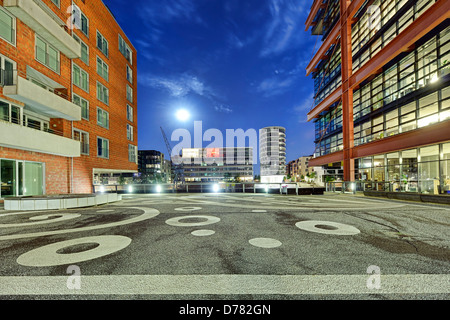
(176, 222)
(266, 243)
(188, 209)
(104, 211)
(327, 227)
(203, 233)
(40, 219)
(48, 256)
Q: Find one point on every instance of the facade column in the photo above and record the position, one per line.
(347, 92)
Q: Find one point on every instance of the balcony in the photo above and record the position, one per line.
(20, 137)
(48, 101)
(44, 23)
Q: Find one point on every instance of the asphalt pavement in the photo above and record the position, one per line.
(229, 246)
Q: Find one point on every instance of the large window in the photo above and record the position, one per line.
(102, 44)
(80, 78)
(129, 93)
(21, 178)
(132, 153)
(102, 93)
(421, 112)
(382, 22)
(425, 170)
(129, 113)
(102, 118)
(84, 49)
(7, 27)
(102, 69)
(6, 71)
(83, 137)
(130, 133)
(47, 55)
(102, 148)
(125, 50)
(83, 104)
(10, 113)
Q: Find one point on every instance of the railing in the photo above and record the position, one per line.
(361, 186)
(249, 187)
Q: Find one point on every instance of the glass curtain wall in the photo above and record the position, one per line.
(425, 170)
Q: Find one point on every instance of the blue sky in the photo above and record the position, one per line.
(232, 63)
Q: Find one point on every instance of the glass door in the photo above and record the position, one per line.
(8, 178)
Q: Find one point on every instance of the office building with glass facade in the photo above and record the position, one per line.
(382, 91)
(217, 164)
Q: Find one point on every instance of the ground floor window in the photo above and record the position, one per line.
(21, 178)
(425, 170)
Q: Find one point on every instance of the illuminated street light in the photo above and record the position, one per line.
(216, 188)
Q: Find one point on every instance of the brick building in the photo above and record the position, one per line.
(68, 92)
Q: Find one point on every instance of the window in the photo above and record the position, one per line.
(129, 113)
(125, 50)
(130, 132)
(102, 93)
(84, 50)
(46, 54)
(83, 137)
(103, 118)
(102, 44)
(102, 69)
(10, 113)
(80, 78)
(129, 74)
(83, 104)
(129, 93)
(56, 2)
(132, 153)
(6, 71)
(102, 148)
(7, 27)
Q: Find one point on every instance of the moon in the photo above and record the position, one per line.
(183, 115)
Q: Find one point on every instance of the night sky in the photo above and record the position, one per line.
(232, 63)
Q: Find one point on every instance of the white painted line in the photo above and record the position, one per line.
(148, 214)
(177, 223)
(203, 233)
(327, 227)
(266, 243)
(48, 255)
(227, 284)
(39, 219)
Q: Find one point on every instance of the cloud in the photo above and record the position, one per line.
(301, 110)
(157, 12)
(284, 29)
(184, 85)
(275, 86)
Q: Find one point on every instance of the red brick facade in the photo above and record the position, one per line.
(75, 175)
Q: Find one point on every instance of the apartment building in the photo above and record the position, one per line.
(67, 97)
(272, 154)
(299, 167)
(382, 91)
(217, 164)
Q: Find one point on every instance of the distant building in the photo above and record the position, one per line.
(272, 154)
(153, 167)
(217, 164)
(298, 168)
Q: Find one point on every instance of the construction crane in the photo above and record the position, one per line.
(177, 168)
